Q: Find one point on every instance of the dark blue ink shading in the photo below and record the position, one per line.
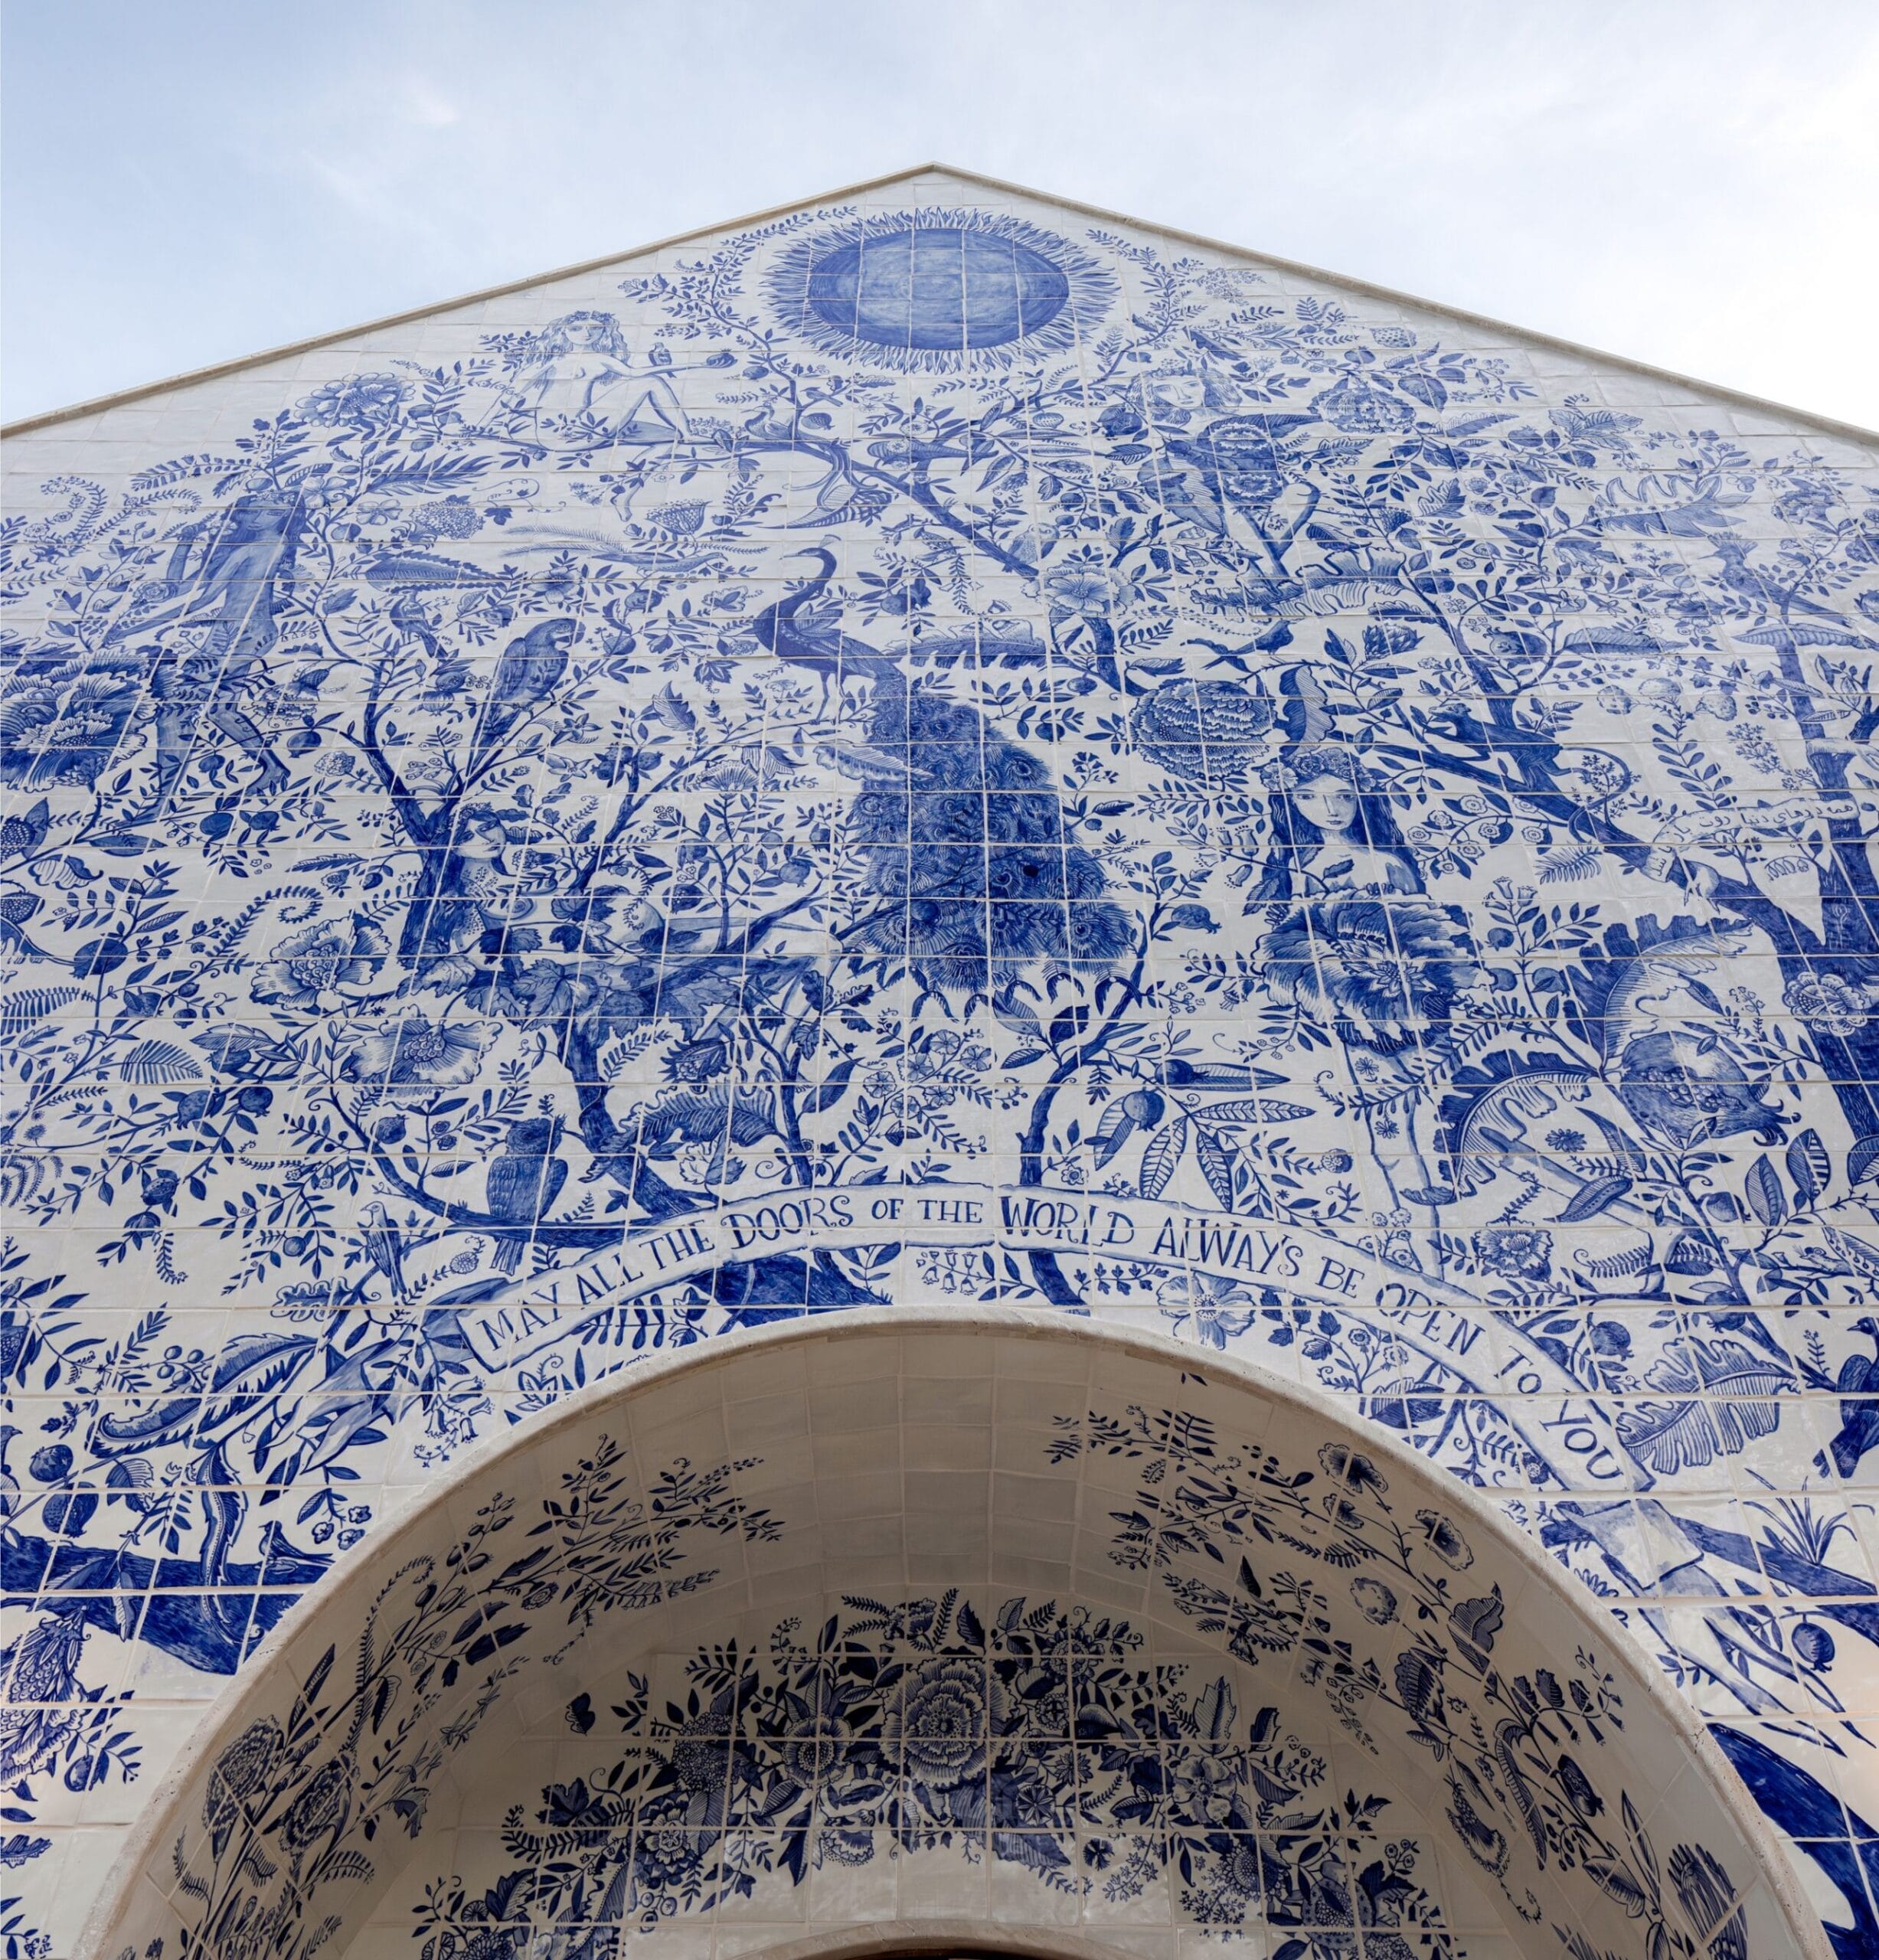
(936, 286)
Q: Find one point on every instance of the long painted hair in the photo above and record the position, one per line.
(521, 351)
(1295, 836)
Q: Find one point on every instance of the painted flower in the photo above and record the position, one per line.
(666, 1855)
(321, 1807)
(807, 1751)
(1077, 587)
(447, 517)
(846, 1848)
(1376, 971)
(701, 1763)
(1203, 731)
(1210, 1299)
(60, 723)
(307, 967)
(1351, 1467)
(1240, 1865)
(682, 518)
(242, 1769)
(1360, 408)
(247, 1763)
(1374, 1600)
(1515, 1251)
(1828, 1002)
(1448, 1544)
(413, 1052)
(358, 402)
(940, 1726)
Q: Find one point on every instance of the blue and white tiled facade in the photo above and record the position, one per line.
(935, 749)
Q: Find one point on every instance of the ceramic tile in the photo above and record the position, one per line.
(767, 780)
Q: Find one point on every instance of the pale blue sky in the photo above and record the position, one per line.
(1695, 184)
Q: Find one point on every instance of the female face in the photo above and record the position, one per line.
(1179, 392)
(587, 333)
(1327, 803)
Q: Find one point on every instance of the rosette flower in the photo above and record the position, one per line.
(1204, 732)
(1515, 1251)
(1377, 972)
(309, 967)
(939, 1730)
(242, 1769)
(1829, 1002)
(413, 1052)
(323, 1806)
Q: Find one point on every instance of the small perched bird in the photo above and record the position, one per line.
(384, 1245)
(1858, 1384)
(529, 671)
(525, 1177)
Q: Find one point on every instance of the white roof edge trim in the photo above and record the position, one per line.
(1728, 397)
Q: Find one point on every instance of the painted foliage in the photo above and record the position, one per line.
(920, 697)
(1044, 1740)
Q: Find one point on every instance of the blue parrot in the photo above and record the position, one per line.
(528, 672)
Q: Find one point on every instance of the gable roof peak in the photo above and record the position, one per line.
(1317, 275)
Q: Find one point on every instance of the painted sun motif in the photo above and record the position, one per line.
(936, 291)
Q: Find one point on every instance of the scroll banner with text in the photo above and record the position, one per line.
(1298, 1266)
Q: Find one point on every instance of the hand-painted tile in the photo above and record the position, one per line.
(931, 749)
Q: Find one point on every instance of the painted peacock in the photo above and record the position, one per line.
(970, 879)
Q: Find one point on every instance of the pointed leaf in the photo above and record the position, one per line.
(1762, 1190)
(1158, 1161)
(1217, 1165)
(1808, 1165)
(1591, 1199)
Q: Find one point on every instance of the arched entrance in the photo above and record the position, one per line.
(981, 1631)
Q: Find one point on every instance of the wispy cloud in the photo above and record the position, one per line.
(1690, 182)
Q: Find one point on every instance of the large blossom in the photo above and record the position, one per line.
(308, 967)
(413, 1052)
(1829, 1002)
(60, 723)
(242, 1770)
(1204, 732)
(1376, 971)
(940, 1726)
(358, 401)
